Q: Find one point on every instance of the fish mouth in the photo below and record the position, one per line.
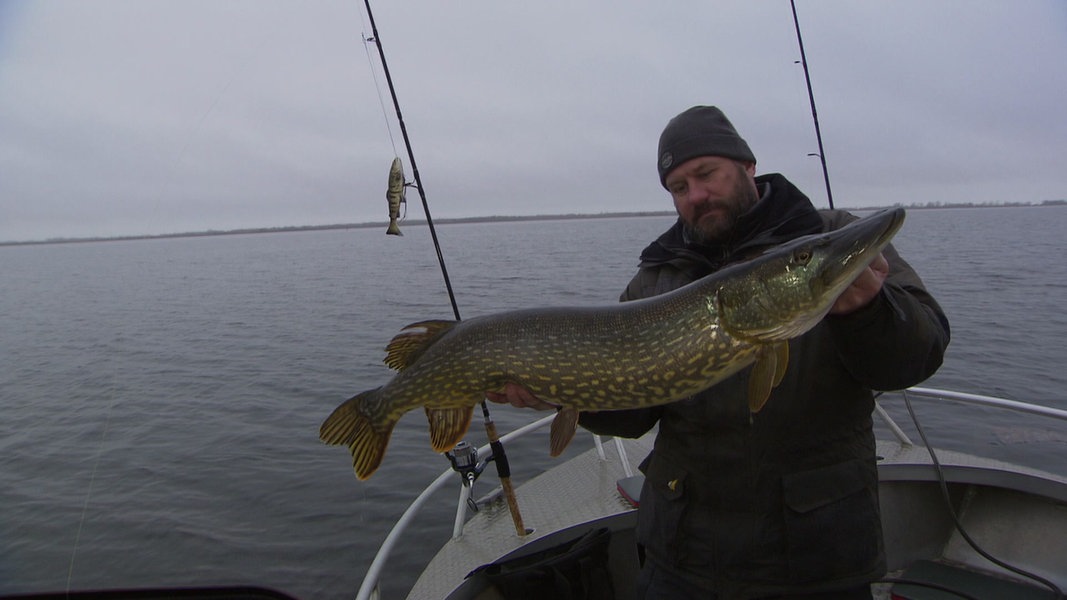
(879, 227)
(890, 219)
(852, 248)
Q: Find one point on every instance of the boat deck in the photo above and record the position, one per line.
(576, 492)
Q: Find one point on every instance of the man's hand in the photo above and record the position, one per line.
(864, 289)
(519, 397)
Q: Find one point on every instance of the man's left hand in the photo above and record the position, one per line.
(864, 289)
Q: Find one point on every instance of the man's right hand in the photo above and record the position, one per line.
(519, 397)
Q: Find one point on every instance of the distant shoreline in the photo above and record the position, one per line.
(452, 221)
(366, 225)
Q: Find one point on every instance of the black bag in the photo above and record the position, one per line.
(575, 570)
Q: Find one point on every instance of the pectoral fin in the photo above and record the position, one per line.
(562, 430)
(448, 426)
(781, 362)
(767, 373)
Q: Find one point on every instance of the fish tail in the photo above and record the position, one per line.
(352, 425)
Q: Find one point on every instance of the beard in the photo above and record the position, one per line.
(717, 230)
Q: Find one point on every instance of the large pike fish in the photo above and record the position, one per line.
(395, 195)
(626, 355)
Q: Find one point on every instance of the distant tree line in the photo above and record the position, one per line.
(492, 219)
(965, 205)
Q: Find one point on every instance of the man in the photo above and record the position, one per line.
(782, 503)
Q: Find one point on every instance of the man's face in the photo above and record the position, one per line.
(710, 193)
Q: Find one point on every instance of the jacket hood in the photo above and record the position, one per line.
(782, 213)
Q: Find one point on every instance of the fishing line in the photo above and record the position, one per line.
(92, 480)
(1057, 592)
(239, 70)
(210, 109)
(381, 101)
(377, 85)
(411, 160)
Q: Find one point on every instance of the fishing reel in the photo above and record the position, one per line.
(464, 459)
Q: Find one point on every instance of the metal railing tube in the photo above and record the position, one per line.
(465, 492)
(888, 420)
(1015, 405)
(370, 580)
(623, 458)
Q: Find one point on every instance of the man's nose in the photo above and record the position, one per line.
(695, 193)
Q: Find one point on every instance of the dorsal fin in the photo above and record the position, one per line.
(448, 426)
(407, 346)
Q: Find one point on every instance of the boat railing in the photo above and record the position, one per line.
(965, 398)
(369, 588)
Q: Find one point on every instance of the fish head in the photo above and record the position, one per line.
(786, 291)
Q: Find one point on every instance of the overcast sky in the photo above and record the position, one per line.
(126, 118)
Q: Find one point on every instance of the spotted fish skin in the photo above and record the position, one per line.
(629, 355)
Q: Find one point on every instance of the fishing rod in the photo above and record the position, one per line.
(1056, 591)
(811, 100)
(499, 457)
(377, 39)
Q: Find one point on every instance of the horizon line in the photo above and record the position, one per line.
(460, 220)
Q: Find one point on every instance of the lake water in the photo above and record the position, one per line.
(161, 398)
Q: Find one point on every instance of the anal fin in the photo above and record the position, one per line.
(448, 426)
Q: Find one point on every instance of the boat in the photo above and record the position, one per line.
(956, 524)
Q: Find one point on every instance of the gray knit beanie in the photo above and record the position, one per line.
(699, 131)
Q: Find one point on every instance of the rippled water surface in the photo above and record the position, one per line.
(161, 398)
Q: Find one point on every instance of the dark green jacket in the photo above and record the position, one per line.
(784, 500)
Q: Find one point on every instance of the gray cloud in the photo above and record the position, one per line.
(153, 117)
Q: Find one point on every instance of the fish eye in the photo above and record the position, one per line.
(802, 256)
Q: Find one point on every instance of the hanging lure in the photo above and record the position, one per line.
(394, 194)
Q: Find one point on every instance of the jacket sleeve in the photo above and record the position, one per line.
(899, 339)
(621, 423)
